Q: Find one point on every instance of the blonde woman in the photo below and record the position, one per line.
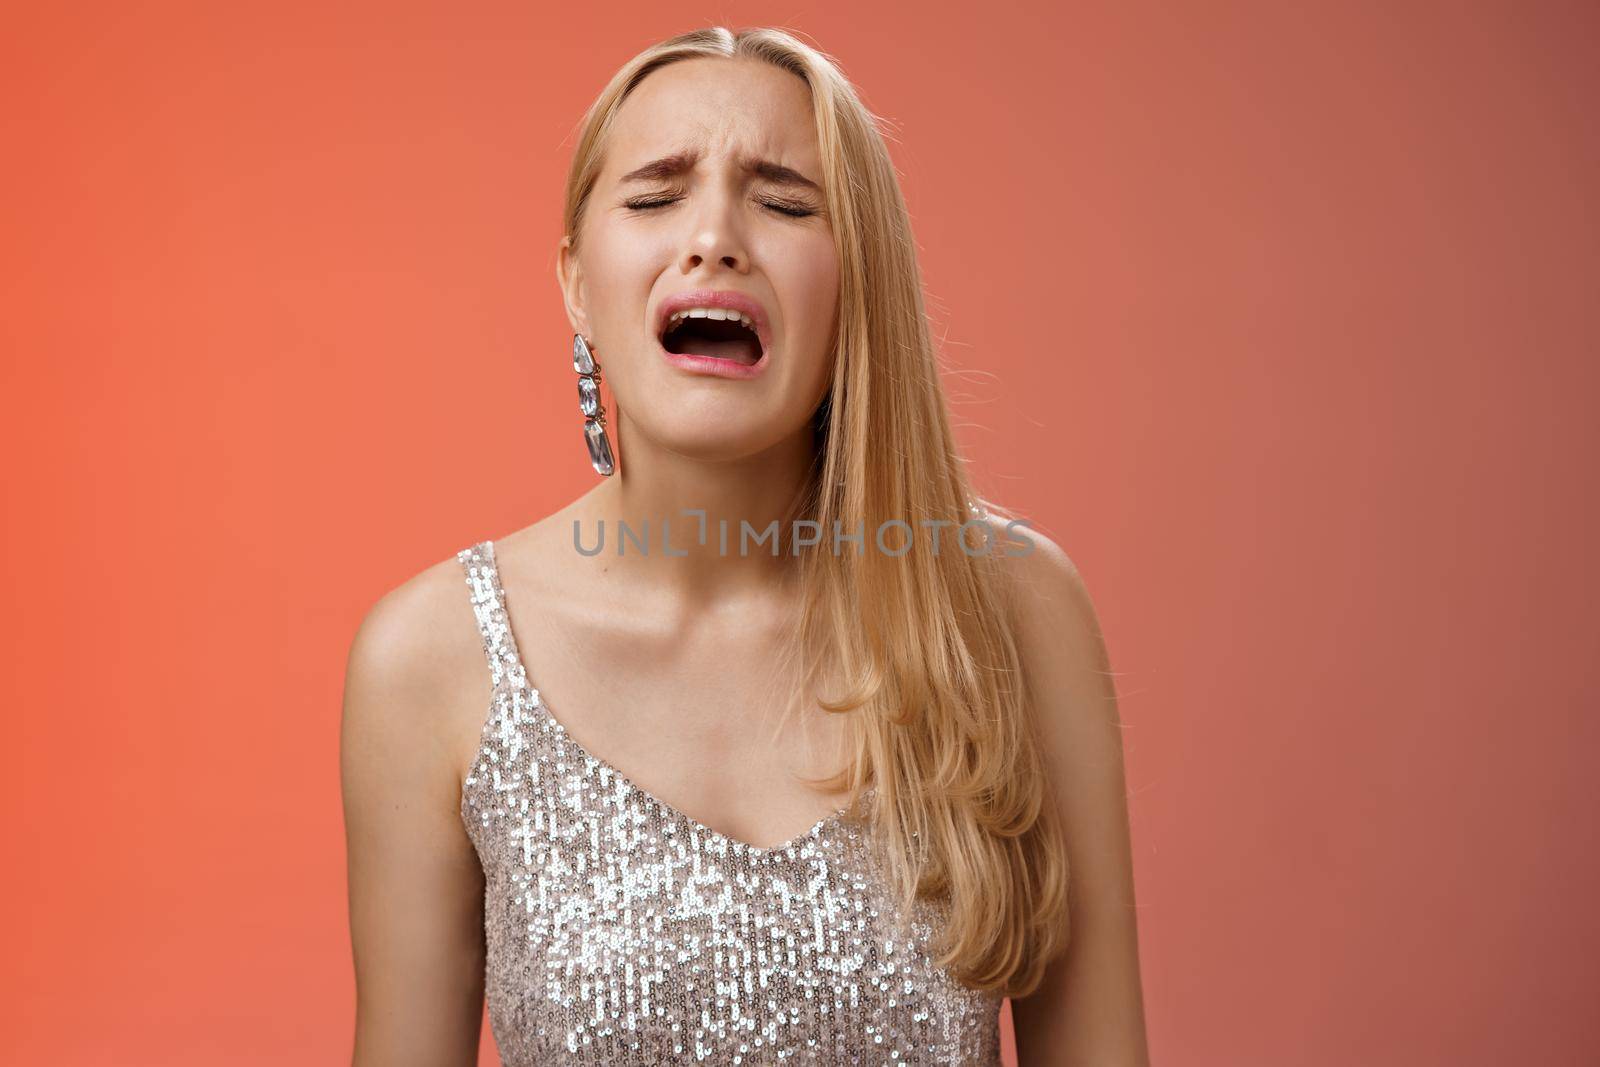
(733, 759)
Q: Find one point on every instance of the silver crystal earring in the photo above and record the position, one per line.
(594, 423)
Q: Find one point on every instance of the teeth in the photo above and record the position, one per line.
(713, 313)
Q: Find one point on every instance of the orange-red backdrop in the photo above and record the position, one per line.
(1280, 318)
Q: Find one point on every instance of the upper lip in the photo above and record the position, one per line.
(716, 298)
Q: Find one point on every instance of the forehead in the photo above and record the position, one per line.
(723, 107)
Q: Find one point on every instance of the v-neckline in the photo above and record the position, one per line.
(524, 682)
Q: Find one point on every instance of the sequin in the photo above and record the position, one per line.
(621, 931)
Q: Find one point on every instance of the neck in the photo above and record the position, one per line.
(661, 495)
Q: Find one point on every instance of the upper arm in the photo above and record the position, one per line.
(416, 888)
(1089, 1009)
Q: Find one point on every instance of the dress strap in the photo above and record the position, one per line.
(494, 624)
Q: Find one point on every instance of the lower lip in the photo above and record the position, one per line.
(713, 365)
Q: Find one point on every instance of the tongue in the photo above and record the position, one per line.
(712, 338)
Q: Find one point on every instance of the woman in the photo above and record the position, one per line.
(743, 794)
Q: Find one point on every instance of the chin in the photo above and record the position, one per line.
(716, 436)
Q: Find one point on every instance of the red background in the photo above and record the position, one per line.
(1281, 318)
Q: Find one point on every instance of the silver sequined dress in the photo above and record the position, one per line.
(621, 931)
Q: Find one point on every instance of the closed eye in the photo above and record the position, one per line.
(645, 203)
(782, 207)
(797, 211)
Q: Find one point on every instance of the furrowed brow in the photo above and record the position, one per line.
(778, 174)
(665, 167)
(679, 163)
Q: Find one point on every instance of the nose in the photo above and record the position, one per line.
(714, 234)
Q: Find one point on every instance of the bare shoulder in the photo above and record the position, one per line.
(1053, 610)
(1066, 666)
(1066, 671)
(416, 666)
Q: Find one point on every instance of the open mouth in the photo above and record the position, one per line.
(713, 332)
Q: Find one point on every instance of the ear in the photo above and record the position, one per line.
(569, 275)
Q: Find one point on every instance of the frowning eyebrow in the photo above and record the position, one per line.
(679, 163)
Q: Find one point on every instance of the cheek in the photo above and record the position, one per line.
(814, 282)
(811, 283)
(626, 265)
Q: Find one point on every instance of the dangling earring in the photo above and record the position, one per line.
(594, 423)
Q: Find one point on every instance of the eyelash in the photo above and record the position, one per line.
(645, 203)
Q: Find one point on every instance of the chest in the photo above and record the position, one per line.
(713, 716)
(620, 930)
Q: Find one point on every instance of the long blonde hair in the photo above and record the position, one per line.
(939, 722)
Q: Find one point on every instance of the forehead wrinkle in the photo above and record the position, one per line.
(683, 160)
(724, 114)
